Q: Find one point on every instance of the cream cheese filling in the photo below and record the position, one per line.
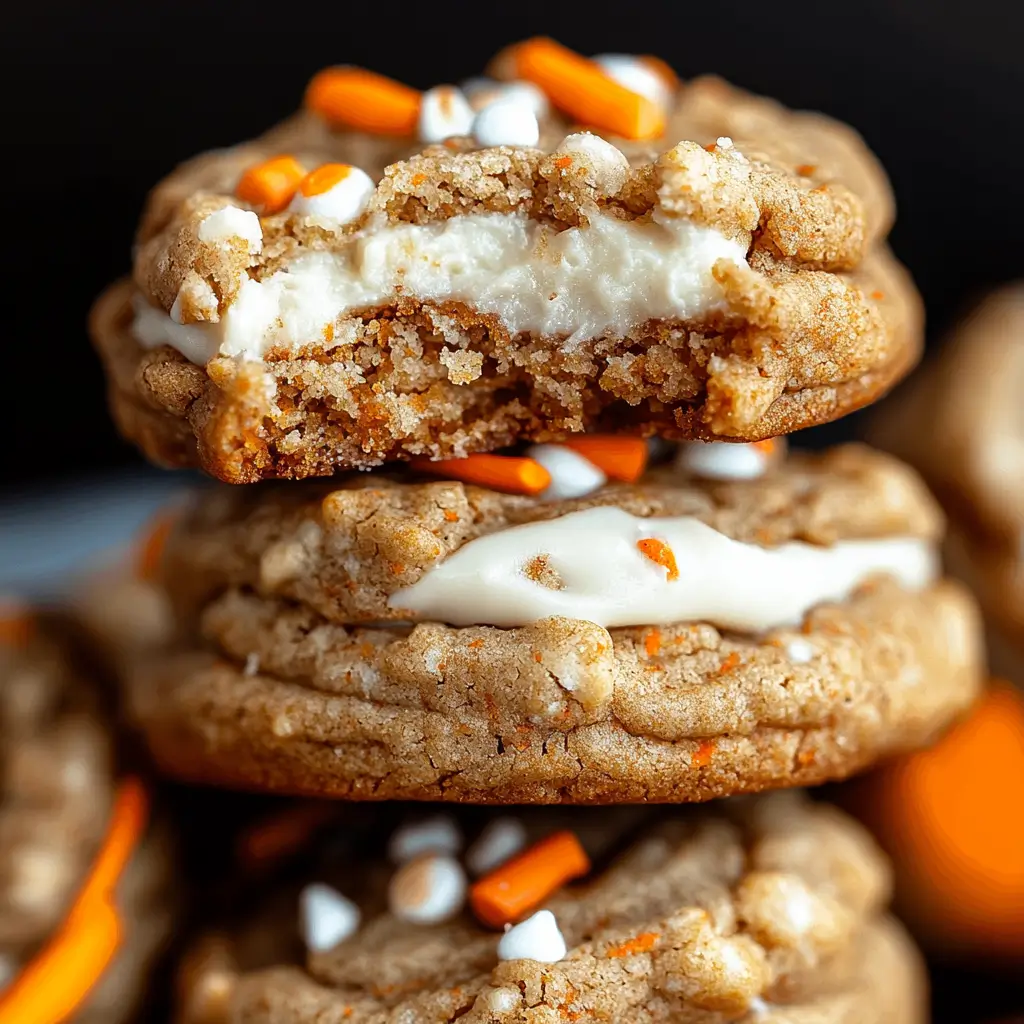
(607, 579)
(580, 282)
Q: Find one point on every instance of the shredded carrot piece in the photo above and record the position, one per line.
(730, 662)
(276, 837)
(61, 975)
(563, 162)
(652, 642)
(661, 554)
(509, 473)
(806, 169)
(355, 98)
(324, 178)
(150, 551)
(640, 944)
(619, 458)
(269, 186)
(581, 89)
(524, 882)
(703, 754)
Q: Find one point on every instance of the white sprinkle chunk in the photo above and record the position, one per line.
(722, 460)
(501, 1000)
(326, 917)
(537, 938)
(799, 650)
(572, 476)
(341, 204)
(231, 222)
(438, 834)
(444, 112)
(506, 123)
(428, 890)
(500, 840)
(252, 664)
(607, 165)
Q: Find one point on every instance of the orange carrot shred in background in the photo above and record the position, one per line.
(356, 98)
(509, 473)
(638, 944)
(581, 89)
(269, 186)
(16, 627)
(150, 551)
(619, 458)
(661, 554)
(61, 975)
(514, 889)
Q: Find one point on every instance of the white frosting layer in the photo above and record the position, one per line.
(579, 282)
(608, 580)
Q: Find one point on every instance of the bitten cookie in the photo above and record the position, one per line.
(959, 423)
(77, 881)
(763, 910)
(392, 274)
(677, 638)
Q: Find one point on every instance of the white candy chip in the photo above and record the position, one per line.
(230, 222)
(444, 112)
(636, 75)
(438, 834)
(607, 165)
(482, 91)
(500, 840)
(572, 476)
(722, 460)
(326, 917)
(340, 204)
(799, 650)
(506, 122)
(427, 890)
(537, 938)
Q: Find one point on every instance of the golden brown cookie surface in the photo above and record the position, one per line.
(766, 910)
(727, 278)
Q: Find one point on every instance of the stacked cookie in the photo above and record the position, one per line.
(561, 316)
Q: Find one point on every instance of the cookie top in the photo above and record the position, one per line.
(702, 262)
(754, 906)
(386, 548)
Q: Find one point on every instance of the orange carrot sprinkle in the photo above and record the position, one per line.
(324, 178)
(524, 882)
(806, 169)
(276, 837)
(61, 975)
(661, 554)
(768, 446)
(640, 944)
(509, 473)
(619, 458)
(150, 551)
(729, 663)
(355, 98)
(702, 755)
(269, 186)
(581, 89)
(652, 642)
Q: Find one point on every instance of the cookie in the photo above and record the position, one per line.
(770, 909)
(958, 424)
(678, 638)
(703, 263)
(66, 822)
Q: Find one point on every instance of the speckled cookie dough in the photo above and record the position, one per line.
(763, 910)
(679, 638)
(58, 792)
(392, 274)
(959, 424)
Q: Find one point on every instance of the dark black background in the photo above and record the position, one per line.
(100, 100)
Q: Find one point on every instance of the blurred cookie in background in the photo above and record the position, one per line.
(950, 819)
(960, 423)
(84, 875)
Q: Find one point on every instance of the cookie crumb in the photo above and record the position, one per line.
(541, 572)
